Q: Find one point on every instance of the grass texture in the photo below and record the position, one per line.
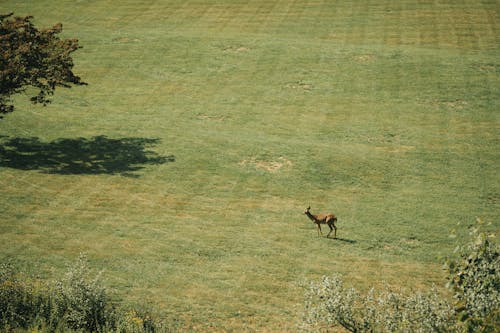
(184, 167)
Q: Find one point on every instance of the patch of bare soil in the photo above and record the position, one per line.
(300, 86)
(268, 166)
(490, 68)
(455, 105)
(364, 58)
(397, 149)
(208, 117)
(239, 49)
(125, 40)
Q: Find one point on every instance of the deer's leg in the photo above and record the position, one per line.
(331, 229)
(335, 228)
(319, 229)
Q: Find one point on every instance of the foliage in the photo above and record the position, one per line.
(81, 300)
(32, 57)
(77, 302)
(330, 303)
(139, 320)
(474, 277)
(19, 299)
(475, 281)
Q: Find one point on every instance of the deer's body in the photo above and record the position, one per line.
(328, 219)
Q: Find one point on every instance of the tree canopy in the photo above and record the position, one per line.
(33, 58)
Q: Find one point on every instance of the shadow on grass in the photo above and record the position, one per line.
(97, 155)
(350, 241)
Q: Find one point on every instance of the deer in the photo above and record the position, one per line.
(328, 219)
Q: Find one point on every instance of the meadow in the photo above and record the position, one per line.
(207, 127)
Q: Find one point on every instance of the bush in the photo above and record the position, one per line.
(23, 302)
(77, 302)
(81, 301)
(474, 278)
(329, 303)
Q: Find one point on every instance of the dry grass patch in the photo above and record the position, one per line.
(208, 117)
(126, 40)
(271, 166)
(397, 149)
(233, 49)
(364, 58)
(488, 68)
(455, 105)
(300, 85)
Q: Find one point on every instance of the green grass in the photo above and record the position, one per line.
(385, 113)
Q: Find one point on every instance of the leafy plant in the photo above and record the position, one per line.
(330, 303)
(475, 280)
(82, 300)
(33, 58)
(23, 302)
(77, 302)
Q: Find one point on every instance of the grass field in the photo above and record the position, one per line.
(207, 127)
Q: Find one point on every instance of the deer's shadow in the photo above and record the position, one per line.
(350, 241)
(96, 155)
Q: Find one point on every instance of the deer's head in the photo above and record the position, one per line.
(307, 210)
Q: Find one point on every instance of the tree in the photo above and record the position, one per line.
(33, 58)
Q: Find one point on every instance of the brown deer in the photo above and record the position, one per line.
(328, 219)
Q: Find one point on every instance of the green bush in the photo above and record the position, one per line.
(474, 278)
(22, 301)
(77, 302)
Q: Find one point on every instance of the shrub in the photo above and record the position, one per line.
(329, 303)
(20, 299)
(135, 320)
(81, 300)
(77, 302)
(475, 280)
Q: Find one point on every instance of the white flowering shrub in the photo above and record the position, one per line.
(81, 300)
(329, 303)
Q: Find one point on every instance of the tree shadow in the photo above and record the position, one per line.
(97, 155)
